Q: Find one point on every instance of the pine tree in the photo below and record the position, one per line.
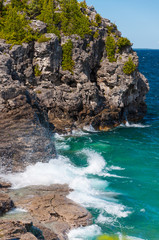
(15, 27)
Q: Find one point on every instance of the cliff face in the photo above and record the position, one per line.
(96, 92)
(37, 93)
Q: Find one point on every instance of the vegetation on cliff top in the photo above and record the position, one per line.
(63, 16)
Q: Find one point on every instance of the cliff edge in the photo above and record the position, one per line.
(80, 79)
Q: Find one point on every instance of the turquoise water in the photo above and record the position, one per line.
(135, 149)
(114, 174)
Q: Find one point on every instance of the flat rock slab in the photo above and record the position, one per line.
(49, 209)
(15, 230)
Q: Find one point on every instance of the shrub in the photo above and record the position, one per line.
(34, 8)
(96, 34)
(111, 29)
(94, 24)
(43, 38)
(98, 19)
(122, 43)
(15, 28)
(47, 13)
(20, 5)
(129, 67)
(73, 21)
(67, 62)
(83, 4)
(110, 48)
(37, 71)
(2, 9)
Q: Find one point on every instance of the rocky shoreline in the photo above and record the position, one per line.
(38, 98)
(42, 212)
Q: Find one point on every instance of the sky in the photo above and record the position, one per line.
(138, 20)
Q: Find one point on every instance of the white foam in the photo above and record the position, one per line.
(84, 233)
(89, 128)
(95, 200)
(96, 162)
(89, 191)
(62, 145)
(105, 220)
(112, 175)
(134, 125)
(116, 168)
(16, 211)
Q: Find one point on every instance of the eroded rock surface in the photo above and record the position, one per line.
(15, 230)
(97, 92)
(36, 94)
(49, 210)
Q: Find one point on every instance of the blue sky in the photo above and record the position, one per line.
(138, 20)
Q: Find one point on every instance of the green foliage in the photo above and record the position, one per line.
(98, 19)
(47, 13)
(110, 48)
(43, 38)
(129, 67)
(34, 8)
(94, 24)
(67, 62)
(49, 16)
(96, 34)
(2, 9)
(15, 28)
(69, 19)
(122, 43)
(110, 29)
(20, 5)
(37, 71)
(83, 4)
(73, 21)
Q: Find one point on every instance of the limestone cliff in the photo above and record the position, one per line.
(96, 92)
(40, 93)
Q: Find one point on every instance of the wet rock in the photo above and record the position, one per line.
(25, 131)
(50, 210)
(16, 230)
(4, 185)
(6, 203)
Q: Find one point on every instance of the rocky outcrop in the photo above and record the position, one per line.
(97, 92)
(37, 95)
(6, 203)
(49, 214)
(16, 230)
